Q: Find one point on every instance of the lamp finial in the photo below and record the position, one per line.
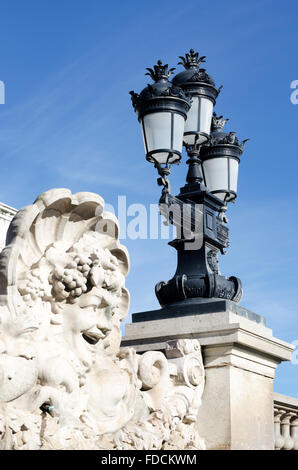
(191, 60)
(160, 71)
(218, 122)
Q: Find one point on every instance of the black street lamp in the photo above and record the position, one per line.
(181, 112)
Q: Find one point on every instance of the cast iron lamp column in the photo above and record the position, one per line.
(211, 180)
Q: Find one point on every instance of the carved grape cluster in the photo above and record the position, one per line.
(73, 280)
(32, 288)
(79, 273)
(82, 273)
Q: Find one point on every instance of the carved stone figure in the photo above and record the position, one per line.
(65, 383)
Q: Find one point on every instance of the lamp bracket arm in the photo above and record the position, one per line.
(163, 180)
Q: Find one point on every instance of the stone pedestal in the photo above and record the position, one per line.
(240, 356)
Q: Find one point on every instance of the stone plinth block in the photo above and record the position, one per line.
(240, 356)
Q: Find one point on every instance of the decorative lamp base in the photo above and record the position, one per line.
(184, 287)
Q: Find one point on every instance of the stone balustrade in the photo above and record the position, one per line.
(285, 422)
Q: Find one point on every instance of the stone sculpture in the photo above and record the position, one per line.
(65, 382)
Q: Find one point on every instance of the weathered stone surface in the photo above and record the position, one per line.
(64, 382)
(197, 307)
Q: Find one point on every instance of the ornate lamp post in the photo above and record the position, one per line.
(181, 112)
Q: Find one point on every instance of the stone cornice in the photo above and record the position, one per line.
(7, 212)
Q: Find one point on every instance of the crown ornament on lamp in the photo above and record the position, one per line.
(191, 59)
(160, 71)
(218, 122)
(216, 136)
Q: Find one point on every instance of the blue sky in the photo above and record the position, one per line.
(67, 122)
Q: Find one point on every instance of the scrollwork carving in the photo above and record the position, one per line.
(213, 261)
